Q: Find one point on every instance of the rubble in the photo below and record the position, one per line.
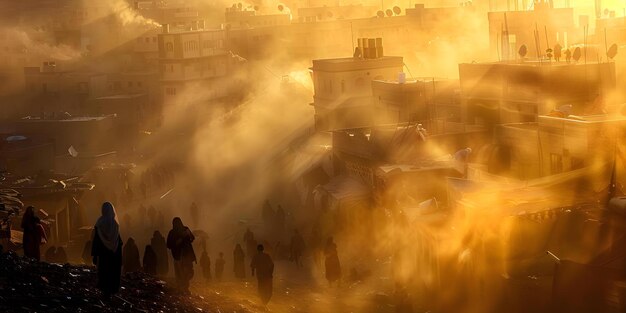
(30, 286)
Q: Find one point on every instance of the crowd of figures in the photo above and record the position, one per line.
(112, 256)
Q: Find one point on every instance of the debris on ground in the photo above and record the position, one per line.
(30, 286)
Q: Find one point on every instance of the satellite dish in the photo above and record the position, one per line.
(389, 12)
(612, 51)
(557, 52)
(239, 5)
(281, 7)
(523, 51)
(329, 14)
(256, 7)
(397, 10)
(380, 14)
(577, 54)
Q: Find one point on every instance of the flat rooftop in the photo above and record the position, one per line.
(122, 96)
(587, 119)
(30, 119)
(351, 63)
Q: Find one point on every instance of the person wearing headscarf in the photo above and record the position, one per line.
(219, 267)
(263, 267)
(149, 261)
(33, 233)
(60, 256)
(333, 267)
(106, 250)
(239, 263)
(86, 255)
(297, 248)
(179, 241)
(130, 257)
(160, 249)
(205, 264)
(50, 255)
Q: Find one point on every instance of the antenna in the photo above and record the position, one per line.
(606, 46)
(352, 36)
(585, 45)
(536, 34)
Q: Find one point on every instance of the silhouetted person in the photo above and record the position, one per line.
(250, 242)
(403, 301)
(333, 267)
(297, 247)
(219, 267)
(50, 255)
(149, 261)
(179, 241)
(279, 222)
(144, 189)
(127, 222)
(107, 251)
(263, 267)
(248, 235)
(33, 234)
(152, 215)
(86, 255)
(268, 214)
(205, 264)
(160, 249)
(131, 256)
(60, 256)
(238, 262)
(160, 221)
(194, 212)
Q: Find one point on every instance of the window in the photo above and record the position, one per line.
(147, 39)
(130, 84)
(169, 47)
(556, 163)
(170, 91)
(138, 84)
(191, 45)
(154, 39)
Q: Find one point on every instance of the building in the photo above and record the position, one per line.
(538, 29)
(336, 12)
(434, 103)
(57, 200)
(502, 92)
(405, 32)
(25, 156)
(51, 90)
(554, 145)
(343, 86)
(195, 58)
(238, 17)
(88, 135)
